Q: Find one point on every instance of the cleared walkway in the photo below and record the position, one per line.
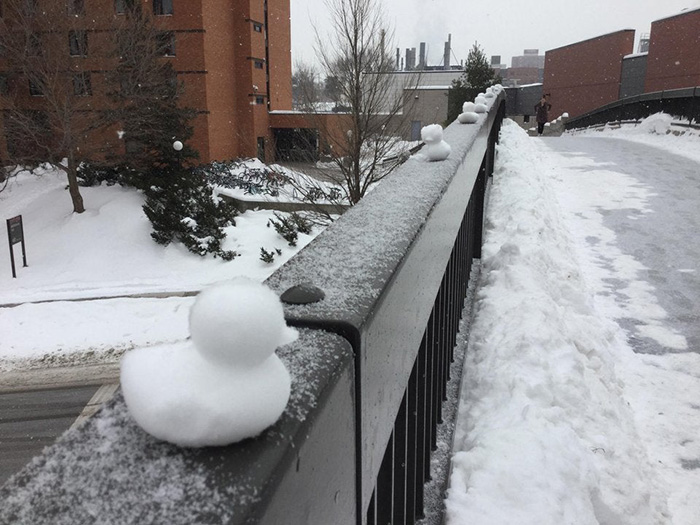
(665, 240)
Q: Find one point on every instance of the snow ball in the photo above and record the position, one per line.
(481, 99)
(435, 148)
(480, 108)
(565, 115)
(468, 106)
(468, 117)
(177, 145)
(438, 151)
(240, 322)
(223, 385)
(177, 396)
(431, 133)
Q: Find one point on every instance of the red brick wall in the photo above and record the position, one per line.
(586, 75)
(674, 53)
(279, 49)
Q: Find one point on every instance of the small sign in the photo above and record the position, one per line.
(15, 235)
(14, 227)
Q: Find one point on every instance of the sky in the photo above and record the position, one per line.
(559, 420)
(504, 27)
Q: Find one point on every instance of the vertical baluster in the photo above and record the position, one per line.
(385, 486)
(400, 460)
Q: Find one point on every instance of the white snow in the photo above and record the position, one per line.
(560, 421)
(223, 385)
(468, 117)
(435, 148)
(107, 252)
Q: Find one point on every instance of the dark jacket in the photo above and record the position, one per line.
(541, 111)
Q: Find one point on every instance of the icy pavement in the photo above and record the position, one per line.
(648, 198)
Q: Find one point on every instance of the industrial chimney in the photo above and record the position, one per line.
(448, 52)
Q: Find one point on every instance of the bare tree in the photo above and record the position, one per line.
(355, 56)
(48, 113)
(306, 90)
(144, 91)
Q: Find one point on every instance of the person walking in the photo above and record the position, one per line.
(542, 112)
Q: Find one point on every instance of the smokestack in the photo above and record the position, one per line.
(398, 57)
(410, 58)
(421, 60)
(448, 52)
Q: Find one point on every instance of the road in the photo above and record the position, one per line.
(33, 415)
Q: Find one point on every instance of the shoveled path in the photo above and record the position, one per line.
(666, 241)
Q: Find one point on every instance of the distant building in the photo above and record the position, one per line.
(530, 58)
(587, 75)
(525, 69)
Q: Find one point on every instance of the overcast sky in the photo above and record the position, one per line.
(501, 27)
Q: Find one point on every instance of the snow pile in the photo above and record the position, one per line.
(656, 130)
(435, 148)
(544, 435)
(227, 383)
(117, 259)
(659, 123)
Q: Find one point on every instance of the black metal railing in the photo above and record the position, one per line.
(684, 103)
(369, 377)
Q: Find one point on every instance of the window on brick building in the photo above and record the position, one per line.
(162, 7)
(82, 84)
(119, 7)
(30, 7)
(257, 27)
(4, 87)
(259, 99)
(76, 7)
(35, 88)
(34, 47)
(259, 64)
(78, 43)
(166, 43)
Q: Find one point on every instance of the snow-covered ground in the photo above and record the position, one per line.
(106, 252)
(560, 421)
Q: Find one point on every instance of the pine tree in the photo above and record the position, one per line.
(477, 76)
(179, 203)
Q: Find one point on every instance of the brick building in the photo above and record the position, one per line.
(673, 60)
(586, 75)
(233, 58)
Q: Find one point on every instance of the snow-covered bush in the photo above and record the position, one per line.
(182, 207)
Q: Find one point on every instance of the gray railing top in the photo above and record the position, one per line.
(356, 256)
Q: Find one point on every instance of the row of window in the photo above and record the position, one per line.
(78, 44)
(77, 7)
(82, 85)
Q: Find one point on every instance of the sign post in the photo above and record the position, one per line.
(15, 234)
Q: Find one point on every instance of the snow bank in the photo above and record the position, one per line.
(545, 436)
(656, 130)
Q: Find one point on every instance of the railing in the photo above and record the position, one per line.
(369, 373)
(677, 102)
